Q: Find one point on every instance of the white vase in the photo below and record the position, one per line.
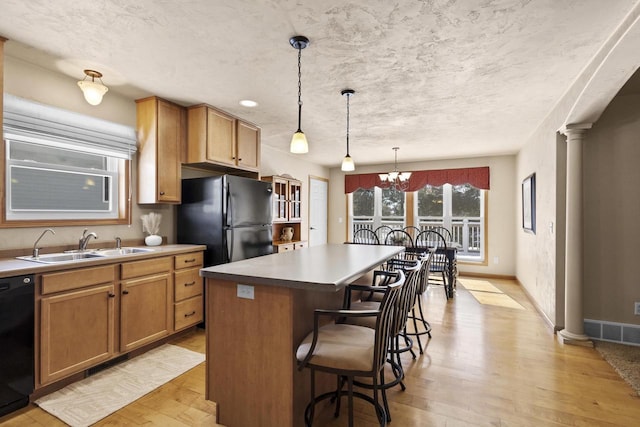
(153, 240)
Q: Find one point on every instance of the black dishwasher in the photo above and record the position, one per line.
(16, 342)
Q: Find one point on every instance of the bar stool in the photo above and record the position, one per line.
(350, 351)
(403, 305)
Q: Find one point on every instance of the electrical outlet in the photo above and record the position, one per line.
(496, 260)
(636, 309)
(245, 291)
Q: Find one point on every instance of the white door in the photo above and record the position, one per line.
(318, 189)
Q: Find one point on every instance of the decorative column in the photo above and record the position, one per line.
(573, 332)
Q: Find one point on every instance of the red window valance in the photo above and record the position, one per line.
(478, 177)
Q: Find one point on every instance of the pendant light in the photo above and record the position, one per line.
(347, 162)
(93, 91)
(299, 143)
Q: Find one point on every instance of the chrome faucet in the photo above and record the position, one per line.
(118, 243)
(82, 243)
(36, 249)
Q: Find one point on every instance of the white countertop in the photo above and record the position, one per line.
(326, 267)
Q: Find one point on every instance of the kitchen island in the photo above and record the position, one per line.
(257, 312)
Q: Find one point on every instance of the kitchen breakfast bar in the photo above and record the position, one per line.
(257, 312)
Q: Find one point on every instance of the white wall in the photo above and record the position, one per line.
(35, 83)
(500, 210)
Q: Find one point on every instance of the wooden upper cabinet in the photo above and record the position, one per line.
(161, 138)
(217, 138)
(248, 147)
(287, 198)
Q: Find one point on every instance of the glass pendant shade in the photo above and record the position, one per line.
(93, 91)
(299, 143)
(347, 164)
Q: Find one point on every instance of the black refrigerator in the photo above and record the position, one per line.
(229, 214)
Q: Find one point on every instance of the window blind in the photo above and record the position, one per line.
(43, 124)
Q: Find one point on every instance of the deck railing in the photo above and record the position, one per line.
(466, 231)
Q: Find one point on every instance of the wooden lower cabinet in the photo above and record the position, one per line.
(145, 314)
(87, 316)
(188, 295)
(145, 302)
(77, 326)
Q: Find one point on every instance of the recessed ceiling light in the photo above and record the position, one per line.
(248, 103)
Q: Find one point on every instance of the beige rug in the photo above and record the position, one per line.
(88, 401)
(625, 359)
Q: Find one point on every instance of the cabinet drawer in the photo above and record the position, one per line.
(287, 247)
(146, 267)
(79, 278)
(189, 312)
(188, 283)
(300, 245)
(193, 259)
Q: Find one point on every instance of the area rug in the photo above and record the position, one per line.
(625, 359)
(91, 399)
(478, 285)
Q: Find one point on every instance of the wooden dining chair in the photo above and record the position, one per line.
(365, 236)
(349, 351)
(382, 232)
(446, 233)
(399, 238)
(412, 230)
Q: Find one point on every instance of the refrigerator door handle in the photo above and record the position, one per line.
(228, 207)
(228, 243)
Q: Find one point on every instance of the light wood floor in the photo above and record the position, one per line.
(485, 366)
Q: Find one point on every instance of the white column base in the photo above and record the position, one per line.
(566, 337)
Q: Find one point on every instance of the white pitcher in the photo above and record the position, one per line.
(287, 234)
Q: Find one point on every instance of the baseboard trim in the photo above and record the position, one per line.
(555, 328)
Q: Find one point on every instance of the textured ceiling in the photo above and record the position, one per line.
(437, 78)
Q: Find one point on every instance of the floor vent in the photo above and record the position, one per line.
(623, 333)
(106, 365)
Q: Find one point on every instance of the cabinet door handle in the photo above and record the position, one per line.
(190, 314)
(190, 260)
(112, 295)
(162, 193)
(190, 283)
(125, 292)
(240, 159)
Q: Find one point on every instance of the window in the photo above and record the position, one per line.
(375, 207)
(47, 182)
(459, 208)
(62, 167)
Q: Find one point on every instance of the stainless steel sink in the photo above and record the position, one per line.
(122, 251)
(62, 257)
(73, 256)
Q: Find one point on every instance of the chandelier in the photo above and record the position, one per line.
(396, 180)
